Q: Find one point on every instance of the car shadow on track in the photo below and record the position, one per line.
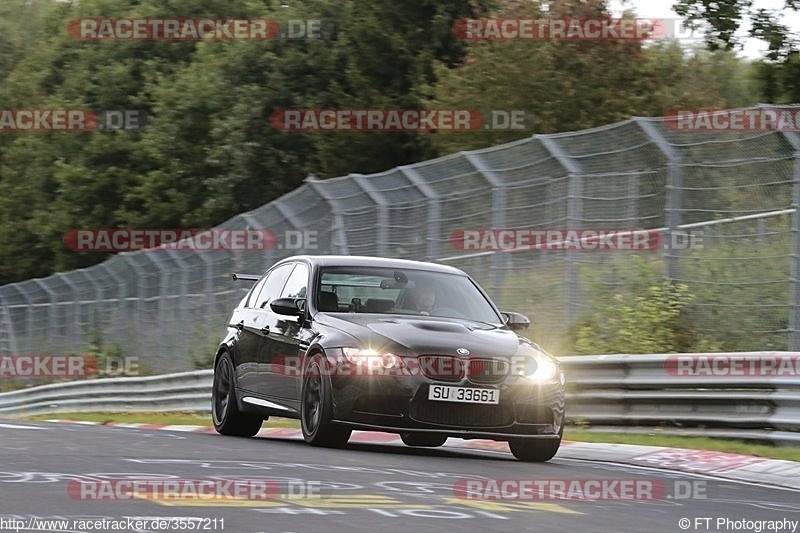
(395, 449)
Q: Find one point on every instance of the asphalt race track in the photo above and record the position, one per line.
(365, 487)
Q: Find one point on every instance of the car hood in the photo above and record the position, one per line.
(426, 335)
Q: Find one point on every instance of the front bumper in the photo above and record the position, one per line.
(400, 404)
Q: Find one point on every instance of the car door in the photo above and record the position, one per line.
(247, 343)
(283, 346)
(255, 328)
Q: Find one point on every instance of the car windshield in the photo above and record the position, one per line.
(402, 291)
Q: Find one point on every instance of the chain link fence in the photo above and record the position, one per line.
(736, 190)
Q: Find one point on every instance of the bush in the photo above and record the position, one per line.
(654, 322)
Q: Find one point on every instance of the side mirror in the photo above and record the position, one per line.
(516, 321)
(287, 306)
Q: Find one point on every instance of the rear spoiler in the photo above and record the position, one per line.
(246, 277)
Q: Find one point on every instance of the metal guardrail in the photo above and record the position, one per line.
(631, 393)
(635, 393)
(186, 391)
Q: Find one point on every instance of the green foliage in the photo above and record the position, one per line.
(209, 151)
(731, 294)
(778, 73)
(723, 18)
(109, 359)
(741, 284)
(568, 85)
(203, 346)
(652, 322)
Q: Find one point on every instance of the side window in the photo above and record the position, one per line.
(253, 294)
(273, 285)
(297, 285)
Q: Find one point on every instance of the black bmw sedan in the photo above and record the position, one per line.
(418, 349)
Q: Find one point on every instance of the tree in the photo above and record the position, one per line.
(778, 72)
(209, 151)
(570, 85)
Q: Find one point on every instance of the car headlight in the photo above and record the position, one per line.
(540, 367)
(371, 358)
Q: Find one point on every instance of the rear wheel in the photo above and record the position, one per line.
(316, 411)
(533, 450)
(228, 419)
(428, 440)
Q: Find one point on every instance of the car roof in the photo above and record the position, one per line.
(356, 260)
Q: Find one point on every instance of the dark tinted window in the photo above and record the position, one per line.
(253, 294)
(297, 285)
(271, 288)
(408, 292)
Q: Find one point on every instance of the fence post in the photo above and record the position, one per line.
(94, 306)
(794, 280)
(208, 285)
(179, 346)
(71, 314)
(8, 340)
(673, 216)
(674, 192)
(14, 346)
(252, 222)
(136, 333)
(51, 315)
(340, 244)
(382, 231)
(164, 279)
(434, 218)
(282, 207)
(499, 261)
(574, 218)
(632, 212)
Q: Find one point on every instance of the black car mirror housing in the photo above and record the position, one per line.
(516, 321)
(286, 306)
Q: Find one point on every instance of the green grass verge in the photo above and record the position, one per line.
(674, 441)
(679, 441)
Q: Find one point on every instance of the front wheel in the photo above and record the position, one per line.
(228, 419)
(316, 411)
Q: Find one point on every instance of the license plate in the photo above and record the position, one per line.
(444, 393)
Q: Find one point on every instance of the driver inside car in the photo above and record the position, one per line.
(423, 299)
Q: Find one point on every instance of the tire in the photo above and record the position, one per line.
(427, 440)
(227, 418)
(535, 451)
(316, 409)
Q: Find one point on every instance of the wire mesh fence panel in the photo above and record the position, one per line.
(722, 203)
